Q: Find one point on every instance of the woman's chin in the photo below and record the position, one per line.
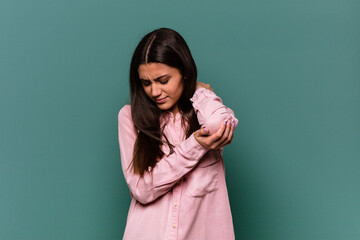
(165, 107)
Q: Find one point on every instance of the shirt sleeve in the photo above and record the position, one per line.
(165, 173)
(210, 110)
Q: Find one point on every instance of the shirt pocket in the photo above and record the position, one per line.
(203, 179)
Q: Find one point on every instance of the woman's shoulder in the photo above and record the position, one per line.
(125, 111)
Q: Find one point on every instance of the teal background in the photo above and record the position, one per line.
(288, 69)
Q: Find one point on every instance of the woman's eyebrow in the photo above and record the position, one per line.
(156, 79)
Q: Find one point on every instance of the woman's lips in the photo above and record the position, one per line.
(160, 100)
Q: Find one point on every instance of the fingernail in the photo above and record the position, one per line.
(233, 124)
(225, 122)
(229, 121)
(204, 129)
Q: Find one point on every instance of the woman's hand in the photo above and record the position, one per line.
(204, 85)
(222, 137)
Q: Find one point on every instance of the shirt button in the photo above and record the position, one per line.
(175, 204)
(174, 226)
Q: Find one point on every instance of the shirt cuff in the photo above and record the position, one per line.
(192, 148)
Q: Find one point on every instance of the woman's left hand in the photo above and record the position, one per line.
(204, 85)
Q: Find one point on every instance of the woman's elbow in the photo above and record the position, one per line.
(214, 123)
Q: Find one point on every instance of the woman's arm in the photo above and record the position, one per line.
(210, 110)
(166, 172)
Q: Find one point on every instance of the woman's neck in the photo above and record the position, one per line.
(175, 111)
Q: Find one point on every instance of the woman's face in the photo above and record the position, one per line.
(162, 84)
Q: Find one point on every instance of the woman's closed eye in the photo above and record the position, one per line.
(146, 83)
(164, 82)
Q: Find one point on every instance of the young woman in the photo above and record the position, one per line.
(171, 140)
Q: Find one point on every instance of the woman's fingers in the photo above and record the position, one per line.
(220, 138)
(231, 133)
(219, 133)
(204, 131)
(229, 138)
(209, 141)
(225, 137)
(204, 85)
(226, 132)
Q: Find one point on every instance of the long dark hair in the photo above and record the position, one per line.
(165, 46)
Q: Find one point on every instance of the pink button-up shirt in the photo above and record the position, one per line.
(184, 196)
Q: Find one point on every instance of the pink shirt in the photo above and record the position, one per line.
(185, 194)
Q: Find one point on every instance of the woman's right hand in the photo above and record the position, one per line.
(222, 137)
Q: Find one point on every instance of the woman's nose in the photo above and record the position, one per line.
(155, 91)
